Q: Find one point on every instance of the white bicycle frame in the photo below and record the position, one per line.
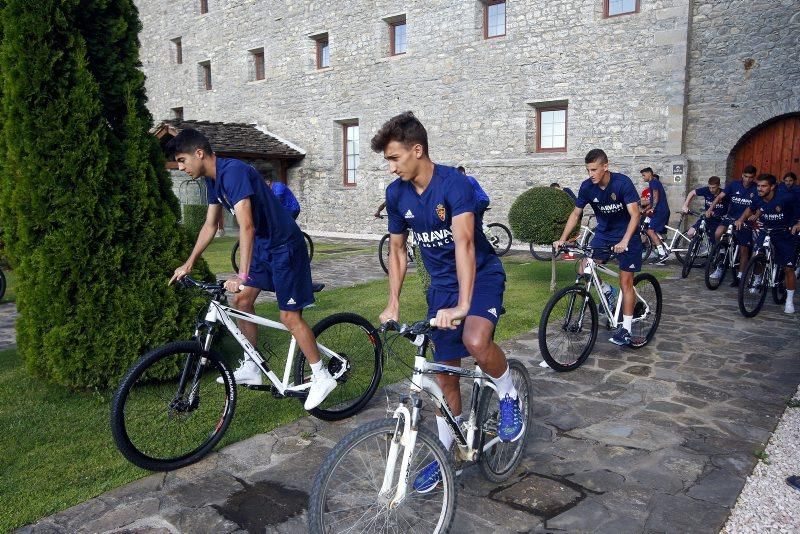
(219, 313)
(614, 318)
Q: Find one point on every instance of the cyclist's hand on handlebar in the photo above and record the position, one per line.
(709, 214)
(389, 314)
(738, 224)
(795, 229)
(684, 209)
(180, 272)
(620, 247)
(450, 318)
(233, 284)
(558, 244)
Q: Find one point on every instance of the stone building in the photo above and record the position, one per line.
(517, 91)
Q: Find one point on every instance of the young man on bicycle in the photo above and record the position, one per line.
(658, 211)
(740, 194)
(713, 216)
(615, 202)
(776, 212)
(270, 244)
(482, 200)
(438, 204)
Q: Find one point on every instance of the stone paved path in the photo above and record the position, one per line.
(655, 440)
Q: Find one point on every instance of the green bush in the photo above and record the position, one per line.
(90, 221)
(539, 215)
(194, 215)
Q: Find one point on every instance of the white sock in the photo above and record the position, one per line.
(660, 249)
(627, 322)
(505, 386)
(790, 295)
(319, 369)
(445, 434)
(739, 275)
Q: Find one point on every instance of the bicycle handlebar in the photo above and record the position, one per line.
(413, 329)
(188, 281)
(585, 250)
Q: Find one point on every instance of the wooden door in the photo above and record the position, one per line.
(773, 148)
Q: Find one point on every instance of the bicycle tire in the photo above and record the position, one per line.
(548, 339)
(145, 442)
(647, 245)
(500, 238)
(718, 258)
(3, 284)
(235, 257)
(691, 254)
(309, 246)
(383, 253)
(539, 254)
(491, 462)
(680, 255)
(360, 343)
(327, 498)
(642, 329)
(750, 302)
(779, 289)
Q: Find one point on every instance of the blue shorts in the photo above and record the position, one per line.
(658, 222)
(630, 260)
(286, 270)
(785, 248)
(744, 236)
(487, 301)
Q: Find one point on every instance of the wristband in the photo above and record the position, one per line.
(244, 277)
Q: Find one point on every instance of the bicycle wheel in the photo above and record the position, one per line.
(346, 491)
(235, 257)
(646, 310)
(565, 340)
(753, 286)
(309, 246)
(169, 411)
(691, 254)
(383, 253)
(647, 245)
(499, 237)
(681, 248)
(541, 252)
(501, 460)
(718, 260)
(779, 289)
(353, 338)
(2, 284)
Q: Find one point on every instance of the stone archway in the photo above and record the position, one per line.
(772, 147)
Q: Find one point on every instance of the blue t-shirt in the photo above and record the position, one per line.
(480, 194)
(610, 205)
(237, 180)
(776, 213)
(794, 192)
(286, 197)
(740, 196)
(430, 217)
(708, 199)
(662, 207)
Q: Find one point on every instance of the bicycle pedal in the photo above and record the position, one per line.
(258, 387)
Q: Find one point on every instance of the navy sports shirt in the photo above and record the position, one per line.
(662, 207)
(237, 180)
(778, 212)
(708, 198)
(430, 217)
(286, 197)
(741, 197)
(610, 205)
(480, 194)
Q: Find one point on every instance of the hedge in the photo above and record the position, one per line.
(539, 215)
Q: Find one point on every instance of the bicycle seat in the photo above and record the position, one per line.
(317, 287)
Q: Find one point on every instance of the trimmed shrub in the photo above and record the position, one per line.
(539, 215)
(194, 215)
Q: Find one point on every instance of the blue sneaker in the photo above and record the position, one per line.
(428, 478)
(511, 425)
(621, 336)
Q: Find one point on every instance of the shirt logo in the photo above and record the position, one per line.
(409, 215)
(290, 301)
(493, 311)
(440, 211)
(613, 196)
(595, 200)
(632, 266)
(778, 209)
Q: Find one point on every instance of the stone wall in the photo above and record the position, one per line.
(623, 79)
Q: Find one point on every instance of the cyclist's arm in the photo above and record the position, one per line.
(204, 238)
(633, 227)
(398, 264)
(716, 201)
(380, 209)
(247, 232)
(688, 200)
(463, 227)
(574, 218)
(740, 221)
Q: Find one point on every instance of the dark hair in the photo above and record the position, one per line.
(404, 128)
(714, 180)
(791, 175)
(646, 169)
(749, 170)
(657, 177)
(594, 155)
(461, 169)
(767, 178)
(187, 141)
(555, 184)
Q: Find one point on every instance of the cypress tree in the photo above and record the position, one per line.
(96, 232)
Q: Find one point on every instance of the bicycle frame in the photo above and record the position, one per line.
(219, 313)
(614, 318)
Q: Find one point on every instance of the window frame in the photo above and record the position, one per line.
(203, 7)
(544, 109)
(207, 80)
(259, 64)
(392, 39)
(345, 154)
(177, 44)
(177, 113)
(323, 41)
(607, 5)
(486, 5)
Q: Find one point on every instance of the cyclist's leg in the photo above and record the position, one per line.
(630, 262)
(744, 238)
(693, 229)
(785, 257)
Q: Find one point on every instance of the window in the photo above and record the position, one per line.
(258, 63)
(177, 114)
(177, 50)
(323, 51)
(397, 37)
(494, 18)
(551, 129)
(203, 7)
(620, 7)
(205, 75)
(350, 153)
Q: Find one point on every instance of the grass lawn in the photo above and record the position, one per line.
(57, 449)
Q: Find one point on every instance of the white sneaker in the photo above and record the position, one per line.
(756, 283)
(248, 373)
(717, 274)
(321, 387)
(788, 307)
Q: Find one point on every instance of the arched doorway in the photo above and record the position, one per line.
(772, 147)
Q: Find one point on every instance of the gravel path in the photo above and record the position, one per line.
(767, 503)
